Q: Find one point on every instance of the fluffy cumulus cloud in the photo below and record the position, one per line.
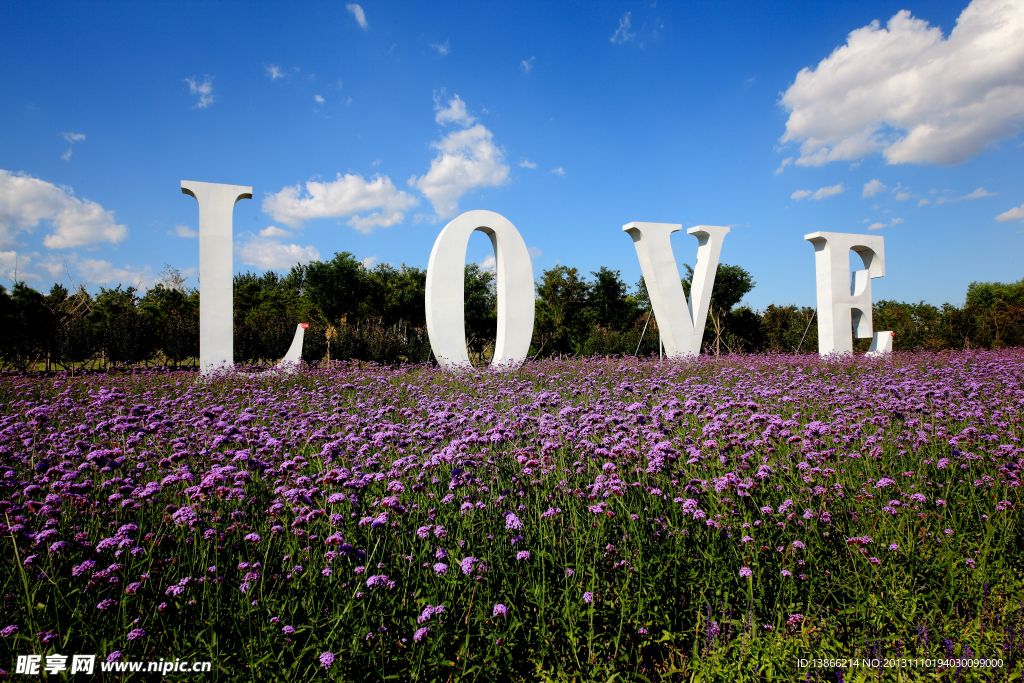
(98, 272)
(269, 253)
(468, 159)
(13, 264)
(359, 14)
(911, 93)
(371, 204)
(873, 188)
(820, 193)
(184, 231)
(455, 112)
(1014, 214)
(274, 231)
(26, 201)
(204, 90)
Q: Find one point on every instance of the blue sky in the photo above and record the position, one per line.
(366, 127)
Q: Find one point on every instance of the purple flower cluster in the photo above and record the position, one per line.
(367, 478)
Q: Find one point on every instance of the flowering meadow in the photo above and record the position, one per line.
(715, 519)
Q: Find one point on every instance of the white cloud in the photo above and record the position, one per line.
(455, 112)
(359, 14)
(622, 33)
(489, 263)
(782, 167)
(12, 265)
(71, 137)
(923, 202)
(95, 271)
(369, 261)
(879, 226)
(820, 193)
(873, 188)
(977, 194)
(527, 65)
(24, 201)
(184, 231)
(534, 252)
(558, 171)
(269, 254)
(1014, 214)
(274, 71)
(204, 90)
(349, 195)
(442, 48)
(526, 163)
(903, 196)
(274, 231)
(103, 272)
(319, 99)
(911, 93)
(468, 159)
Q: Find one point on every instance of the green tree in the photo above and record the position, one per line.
(610, 302)
(563, 316)
(737, 330)
(395, 295)
(481, 309)
(336, 288)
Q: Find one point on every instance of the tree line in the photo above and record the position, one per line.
(377, 314)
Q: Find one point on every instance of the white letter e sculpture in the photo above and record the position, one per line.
(844, 298)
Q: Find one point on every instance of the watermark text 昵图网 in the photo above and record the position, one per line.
(33, 665)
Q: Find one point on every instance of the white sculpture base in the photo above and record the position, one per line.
(881, 344)
(292, 360)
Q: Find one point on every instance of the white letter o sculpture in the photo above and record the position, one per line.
(445, 304)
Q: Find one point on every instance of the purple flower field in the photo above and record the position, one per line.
(569, 520)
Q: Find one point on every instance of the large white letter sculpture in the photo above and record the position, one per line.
(216, 297)
(844, 299)
(681, 322)
(445, 299)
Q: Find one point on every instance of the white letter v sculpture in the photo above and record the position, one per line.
(681, 322)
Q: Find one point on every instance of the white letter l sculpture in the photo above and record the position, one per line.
(216, 296)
